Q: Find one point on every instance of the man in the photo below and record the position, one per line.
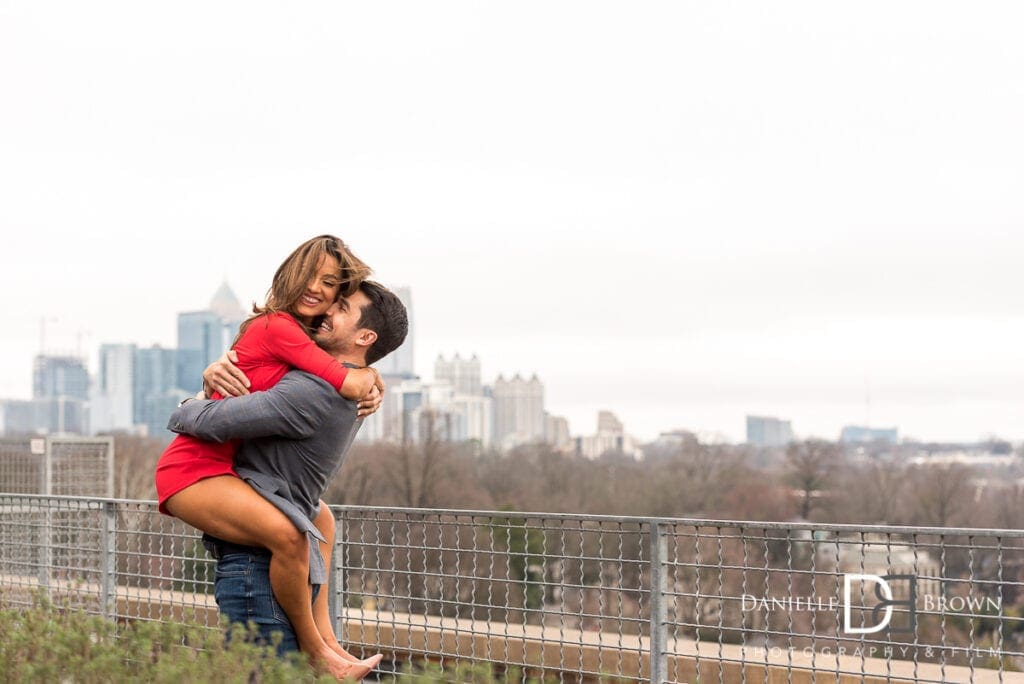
(296, 437)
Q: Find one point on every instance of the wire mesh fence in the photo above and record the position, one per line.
(120, 559)
(72, 466)
(556, 597)
(574, 598)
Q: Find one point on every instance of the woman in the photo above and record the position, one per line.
(196, 481)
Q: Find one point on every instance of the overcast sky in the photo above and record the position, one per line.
(682, 212)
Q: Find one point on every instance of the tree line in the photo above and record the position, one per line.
(812, 480)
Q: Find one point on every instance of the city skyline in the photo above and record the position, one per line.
(580, 424)
(682, 213)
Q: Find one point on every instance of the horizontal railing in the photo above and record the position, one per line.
(581, 597)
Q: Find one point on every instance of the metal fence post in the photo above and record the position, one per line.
(46, 528)
(336, 597)
(659, 618)
(108, 559)
(109, 456)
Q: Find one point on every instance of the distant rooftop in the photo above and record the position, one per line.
(225, 304)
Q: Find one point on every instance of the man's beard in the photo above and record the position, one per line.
(331, 346)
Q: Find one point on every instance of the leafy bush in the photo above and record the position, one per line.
(49, 644)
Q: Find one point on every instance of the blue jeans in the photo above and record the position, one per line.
(242, 590)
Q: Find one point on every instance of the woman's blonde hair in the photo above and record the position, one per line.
(295, 272)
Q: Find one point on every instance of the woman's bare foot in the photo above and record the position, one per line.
(373, 661)
(337, 648)
(356, 671)
(329, 662)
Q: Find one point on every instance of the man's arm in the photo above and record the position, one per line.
(224, 376)
(294, 408)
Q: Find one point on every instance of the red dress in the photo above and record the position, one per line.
(272, 345)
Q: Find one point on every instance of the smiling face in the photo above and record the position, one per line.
(340, 332)
(321, 290)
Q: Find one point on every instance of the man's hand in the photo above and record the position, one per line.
(224, 376)
(372, 401)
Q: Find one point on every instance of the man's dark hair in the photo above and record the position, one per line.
(384, 315)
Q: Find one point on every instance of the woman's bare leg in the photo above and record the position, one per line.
(321, 610)
(229, 509)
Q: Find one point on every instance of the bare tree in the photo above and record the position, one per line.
(135, 465)
(413, 469)
(810, 465)
(360, 478)
(1005, 507)
(939, 494)
(871, 492)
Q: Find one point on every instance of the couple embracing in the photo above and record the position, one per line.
(250, 463)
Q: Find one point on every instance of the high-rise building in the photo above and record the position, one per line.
(204, 335)
(112, 405)
(768, 432)
(857, 434)
(225, 304)
(60, 394)
(674, 440)
(156, 409)
(469, 414)
(200, 341)
(399, 414)
(59, 376)
(610, 437)
(17, 417)
(556, 432)
(461, 374)
(518, 411)
(472, 418)
(48, 415)
(414, 410)
(608, 422)
(399, 365)
(154, 388)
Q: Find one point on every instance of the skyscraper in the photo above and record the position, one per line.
(857, 434)
(473, 418)
(399, 363)
(225, 304)
(461, 374)
(205, 335)
(451, 408)
(611, 437)
(768, 432)
(154, 388)
(556, 432)
(59, 376)
(59, 403)
(469, 414)
(200, 341)
(518, 411)
(112, 405)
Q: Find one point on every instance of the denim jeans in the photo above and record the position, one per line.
(242, 590)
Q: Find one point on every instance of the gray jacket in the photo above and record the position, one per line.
(296, 435)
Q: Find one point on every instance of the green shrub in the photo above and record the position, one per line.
(49, 644)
